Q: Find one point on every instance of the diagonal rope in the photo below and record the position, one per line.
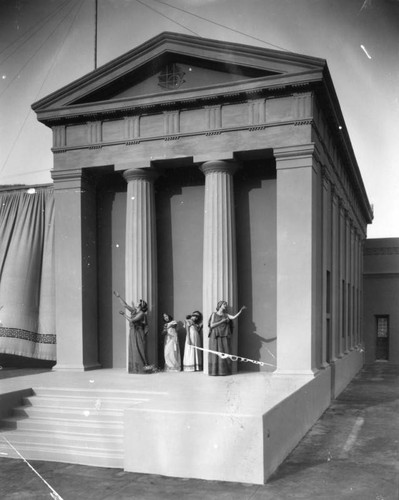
(61, 46)
(169, 18)
(221, 25)
(44, 80)
(53, 493)
(38, 28)
(38, 49)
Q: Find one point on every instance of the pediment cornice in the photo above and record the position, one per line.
(236, 92)
(261, 70)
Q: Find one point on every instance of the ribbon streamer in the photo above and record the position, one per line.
(224, 355)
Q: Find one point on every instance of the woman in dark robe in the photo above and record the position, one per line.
(220, 333)
(138, 329)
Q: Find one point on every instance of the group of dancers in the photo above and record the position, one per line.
(220, 327)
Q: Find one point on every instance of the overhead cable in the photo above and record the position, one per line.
(38, 49)
(221, 25)
(169, 18)
(35, 29)
(43, 82)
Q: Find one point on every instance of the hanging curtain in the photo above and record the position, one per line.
(27, 284)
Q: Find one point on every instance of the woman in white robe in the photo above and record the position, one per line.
(171, 345)
(192, 359)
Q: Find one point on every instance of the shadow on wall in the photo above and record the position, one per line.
(257, 348)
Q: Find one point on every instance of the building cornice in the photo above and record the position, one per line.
(242, 91)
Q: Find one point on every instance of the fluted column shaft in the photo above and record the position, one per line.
(141, 261)
(219, 264)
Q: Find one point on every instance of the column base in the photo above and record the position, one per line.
(76, 368)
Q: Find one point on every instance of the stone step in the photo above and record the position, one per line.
(91, 414)
(79, 426)
(97, 443)
(94, 393)
(69, 425)
(86, 402)
(67, 455)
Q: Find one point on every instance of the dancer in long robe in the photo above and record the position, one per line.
(171, 345)
(192, 359)
(138, 330)
(220, 333)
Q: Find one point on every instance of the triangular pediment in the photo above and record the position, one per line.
(173, 72)
(172, 66)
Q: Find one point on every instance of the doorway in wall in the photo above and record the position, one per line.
(382, 340)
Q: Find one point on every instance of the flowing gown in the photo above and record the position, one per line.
(192, 359)
(220, 340)
(137, 343)
(171, 348)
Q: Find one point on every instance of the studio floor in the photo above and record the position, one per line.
(352, 452)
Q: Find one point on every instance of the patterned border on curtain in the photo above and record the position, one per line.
(27, 281)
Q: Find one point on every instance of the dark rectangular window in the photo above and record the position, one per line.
(382, 337)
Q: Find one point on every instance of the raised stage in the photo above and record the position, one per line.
(236, 428)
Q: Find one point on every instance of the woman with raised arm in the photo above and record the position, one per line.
(220, 333)
(138, 329)
(171, 344)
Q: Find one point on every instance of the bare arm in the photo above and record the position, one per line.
(236, 315)
(124, 303)
(137, 317)
(122, 313)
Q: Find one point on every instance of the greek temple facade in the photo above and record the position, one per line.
(189, 171)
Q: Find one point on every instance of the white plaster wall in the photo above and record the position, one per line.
(233, 447)
(199, 445)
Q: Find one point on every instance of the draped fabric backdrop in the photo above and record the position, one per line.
(27, 282)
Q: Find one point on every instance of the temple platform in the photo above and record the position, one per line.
(190, 425)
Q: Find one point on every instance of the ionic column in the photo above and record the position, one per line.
(141, 261)
(219, 264)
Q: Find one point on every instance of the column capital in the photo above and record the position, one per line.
(76, 178)
(62, 175)
(144, 174)
(210, 167)
(296, 156)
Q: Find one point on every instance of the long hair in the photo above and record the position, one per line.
(170, 318)
(143, 305)
(198, 315)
